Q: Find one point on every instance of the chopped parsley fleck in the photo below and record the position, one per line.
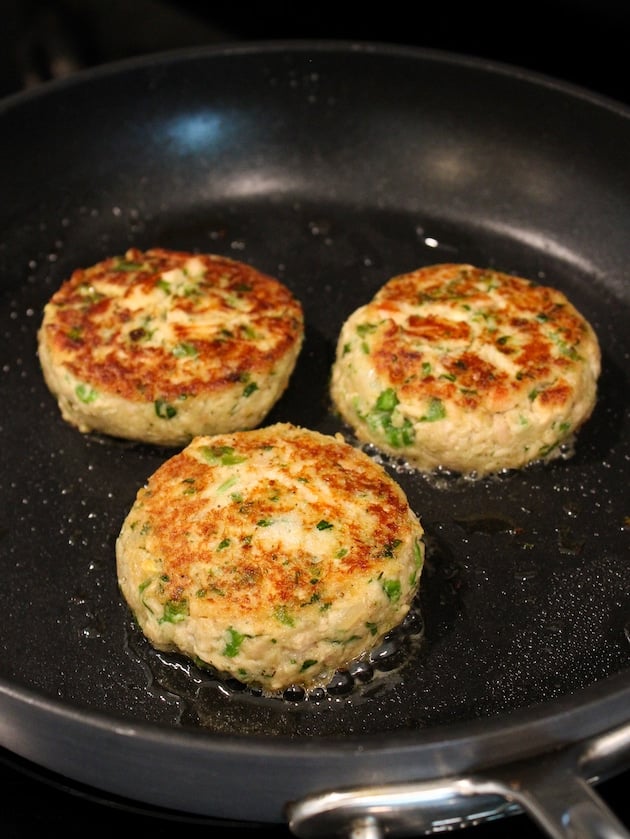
(387, 400)
(565, 349)
(390, 547)
(185, 350)
(233, 643)
(128, 265)
(189, 488)
(175, 611)
(227, 484)
(418, 555)
(164, 409)
(324, 525)
(252, 387)
(418, 558)
(248, 331)
(545, 450)
(379, 419)
(282, 614)
(391, 589)
(85, 393)
(224, 455)
(436, 411)
(89, 294)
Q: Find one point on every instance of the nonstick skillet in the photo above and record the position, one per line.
(334, 167)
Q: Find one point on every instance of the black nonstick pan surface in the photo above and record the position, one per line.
(332, 167)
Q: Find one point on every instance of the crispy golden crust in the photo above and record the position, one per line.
(444, 352)
(291, 541)
(160, 331)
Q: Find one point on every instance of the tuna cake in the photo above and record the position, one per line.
(160, 345)
(466, 369)
(276, 555)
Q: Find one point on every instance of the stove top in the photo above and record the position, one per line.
(36, 801)
(559, 38)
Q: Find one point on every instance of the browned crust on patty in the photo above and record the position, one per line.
(263, 575)
(532, 325)
(470, 369)
(95, 336)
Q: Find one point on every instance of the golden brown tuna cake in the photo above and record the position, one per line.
(161, 345)
(276, 555)
(467, 369)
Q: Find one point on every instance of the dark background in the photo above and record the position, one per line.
(582, 42)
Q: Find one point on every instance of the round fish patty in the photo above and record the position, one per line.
(161, 345)
(467, 369)
(276, 555)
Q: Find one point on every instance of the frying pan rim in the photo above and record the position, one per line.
(601, 701)
(598, 700)
(345, 47)
(296, 46)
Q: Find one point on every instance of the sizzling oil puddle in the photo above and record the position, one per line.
(202, 690)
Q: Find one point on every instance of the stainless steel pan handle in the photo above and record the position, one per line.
(555, 790)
